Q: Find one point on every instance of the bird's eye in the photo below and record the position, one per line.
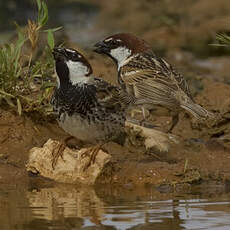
(75, 56)
(114, 42)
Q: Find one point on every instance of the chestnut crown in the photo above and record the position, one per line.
(122, 46)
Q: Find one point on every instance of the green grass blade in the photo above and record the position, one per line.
(50, 39)
(19, 105)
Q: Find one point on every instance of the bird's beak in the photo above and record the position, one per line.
(58, 52)
(101, 48)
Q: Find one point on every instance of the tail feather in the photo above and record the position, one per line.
(200, 113)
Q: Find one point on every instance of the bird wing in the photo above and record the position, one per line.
(168, 71)
(110, 96)
(151, 86)
(148, 66)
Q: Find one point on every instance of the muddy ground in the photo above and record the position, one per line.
(203, 155)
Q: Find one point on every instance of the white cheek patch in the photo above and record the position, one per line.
(77, 72)
(121, 54)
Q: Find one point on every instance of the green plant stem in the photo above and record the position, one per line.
(6, 94)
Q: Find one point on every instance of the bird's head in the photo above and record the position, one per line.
(121, 46)
(71, 66)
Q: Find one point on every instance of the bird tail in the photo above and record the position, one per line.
(199, 112)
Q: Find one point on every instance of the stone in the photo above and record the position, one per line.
(73, 167)
(150, 138)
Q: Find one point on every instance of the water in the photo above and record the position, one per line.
(66, 207)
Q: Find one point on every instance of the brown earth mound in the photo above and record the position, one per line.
(197, 158)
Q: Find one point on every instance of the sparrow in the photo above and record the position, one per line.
(88, 108)
(151, 82)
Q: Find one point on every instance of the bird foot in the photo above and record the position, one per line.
(58, 152)
(154, 155)
(92, 153)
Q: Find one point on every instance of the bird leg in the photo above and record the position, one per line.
(145, 112)
(58, 151)
(135, 111)
(141, 122)
(175, 119)
(92, 153)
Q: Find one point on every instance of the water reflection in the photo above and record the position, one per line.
(59, 203)
(67, 207)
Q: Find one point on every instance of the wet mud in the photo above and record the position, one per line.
(203, 155)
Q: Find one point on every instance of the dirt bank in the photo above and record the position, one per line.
(196, 159)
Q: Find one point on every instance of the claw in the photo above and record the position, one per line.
(92, 153)
(175, 119)
(58, 151)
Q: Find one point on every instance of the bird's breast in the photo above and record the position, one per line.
(88, 129)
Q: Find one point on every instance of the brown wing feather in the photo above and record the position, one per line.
(148, 77)
(153, 88)
(149, 66)
(152, 80)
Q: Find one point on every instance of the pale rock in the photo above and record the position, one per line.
(70, 168)
(152, 138)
